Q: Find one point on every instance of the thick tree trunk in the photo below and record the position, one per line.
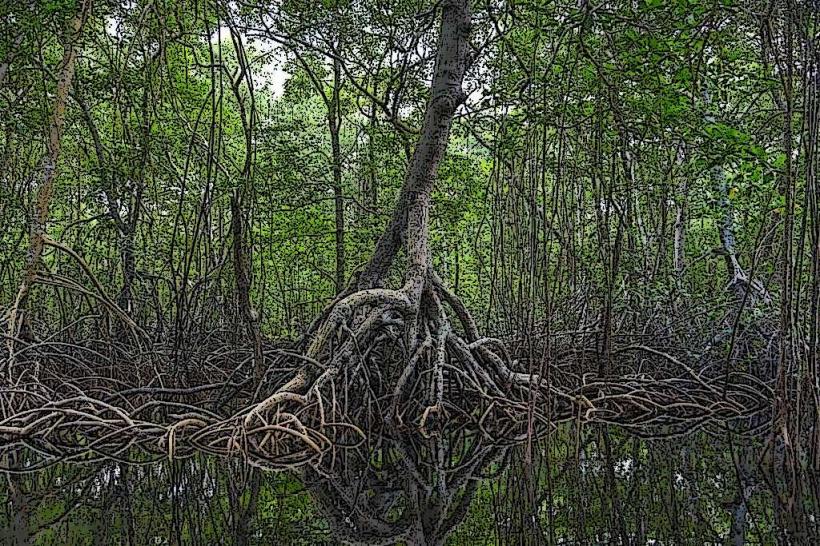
(409, 222)
(354, 321)
(243, 514)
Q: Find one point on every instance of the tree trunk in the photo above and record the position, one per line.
(4, 66)
(242, 272)
(739, 282)
(334, 120)
(414, 199)
(336, 336)
(242, 516)
(18, 322)
(372, 181)
(681, 200)
(409, 222)
(126, 227)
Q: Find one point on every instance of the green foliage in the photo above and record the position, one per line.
(590, 128)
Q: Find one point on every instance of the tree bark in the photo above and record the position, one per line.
(18, 320)
(739, 281)
(37, 228)
(334, 120)
(243, 272)
(681, 200)
(126, 227)
(4, 66)
(409, 223)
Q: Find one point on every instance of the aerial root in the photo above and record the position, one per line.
(393, 360)
(382, 364)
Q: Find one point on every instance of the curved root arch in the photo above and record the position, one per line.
(394, 358)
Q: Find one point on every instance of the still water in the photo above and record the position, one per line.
(593, 485)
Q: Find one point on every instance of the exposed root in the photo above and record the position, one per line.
(389, 412)
(437, 403)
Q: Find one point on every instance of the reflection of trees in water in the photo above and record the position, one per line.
(606, 487)
(576, 490)
(417, 474)
(415, 490)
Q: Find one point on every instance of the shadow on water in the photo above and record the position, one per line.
(592, 484)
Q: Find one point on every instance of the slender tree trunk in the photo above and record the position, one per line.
(4, 66)
(129, 262)
(679, 256)
(726, 229)
(18, 321)
(126, 227)
(812, 94)
(373, 184)
(334, 120)
(680, 235)
(739, 281)
(786, 421)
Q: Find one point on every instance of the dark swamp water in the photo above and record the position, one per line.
(591, 484)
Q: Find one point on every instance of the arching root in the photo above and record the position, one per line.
(390, 359)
